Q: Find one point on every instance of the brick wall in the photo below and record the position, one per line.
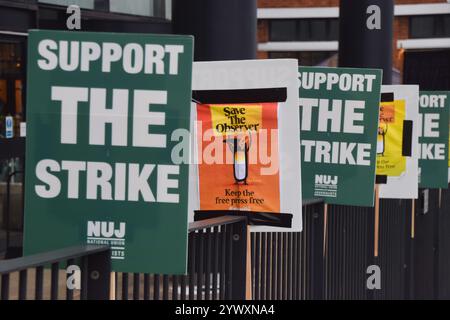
(324, 3)
(263, 36)
(297, 3)
(419, 1)
(401, 24)
(401, 31)
(263, 30)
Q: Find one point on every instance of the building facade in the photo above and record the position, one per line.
(309, 31)
(304, 29)
(16, 18)
(222, 30)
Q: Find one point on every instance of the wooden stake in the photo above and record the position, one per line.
(248, 286)
(112, 286)
(377, 220)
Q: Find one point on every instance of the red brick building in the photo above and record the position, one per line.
(308, 30)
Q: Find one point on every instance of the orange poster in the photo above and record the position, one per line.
(239, 158)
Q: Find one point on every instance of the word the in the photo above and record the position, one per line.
(100, 115)
(342, 116)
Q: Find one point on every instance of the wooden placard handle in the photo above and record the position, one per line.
(377, 221)
(248, 284)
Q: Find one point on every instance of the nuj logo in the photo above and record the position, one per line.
(326, 179)
(105, 229)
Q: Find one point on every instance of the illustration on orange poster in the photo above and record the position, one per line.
(391, 161)
(238, 144)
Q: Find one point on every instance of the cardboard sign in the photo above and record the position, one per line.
(339, 110)
(99, 165)
(240, 181)
(397, 142)
(391, 161)
(433, 138)
(245, 153)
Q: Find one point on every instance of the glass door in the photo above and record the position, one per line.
(12, 113)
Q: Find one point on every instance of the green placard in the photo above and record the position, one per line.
(433, 138)
(101, 111)
(339, 117)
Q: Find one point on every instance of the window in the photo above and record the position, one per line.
(304, 30)
(86, 4)
(283, 30)
(11, 79)
(148, 8)
(305, 58)
(12, 73)
(136, 7)
(437, 26)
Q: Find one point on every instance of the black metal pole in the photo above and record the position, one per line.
(223, 30)
(365, 41)
(318, 215)
(365, 35)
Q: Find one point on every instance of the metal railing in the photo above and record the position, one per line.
(443, 229)
(216, 267)
(327, 260)
(10, 251)
(289, 265)
(217, 256)
(95, 269)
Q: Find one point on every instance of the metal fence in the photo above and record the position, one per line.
(217, 260)
(327, 260)
(443, 276)
(289, 265)
(431, 245)
(38, 277)
(349, 249)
